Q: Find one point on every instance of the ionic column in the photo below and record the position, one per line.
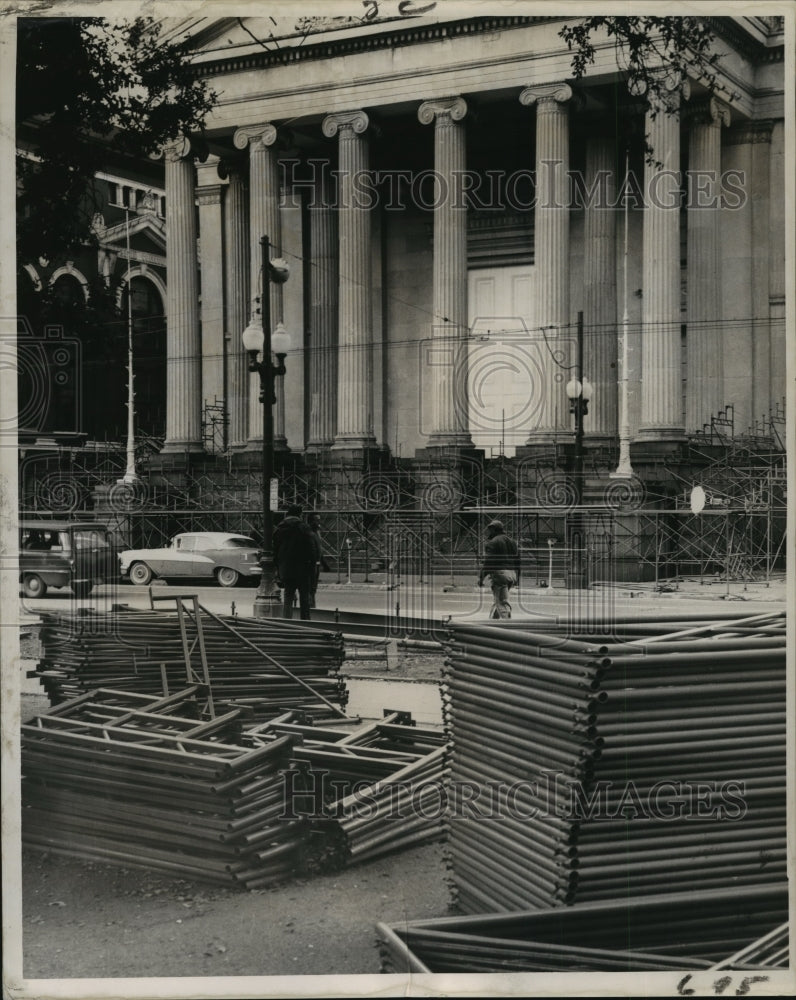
(355, 358)
(236, 303)
(264, 220)
(599, 280)
(183, 348)
(661, 351)
(211, 273)
(737, 251)
(704, 355)
(322, 334)
(760, 193)
(449, 322)
(776, 272)
(551, 256)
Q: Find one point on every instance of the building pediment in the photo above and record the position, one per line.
(147, 232)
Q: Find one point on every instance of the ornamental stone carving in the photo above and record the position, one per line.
(209, 194)
(454, 108)
(246, 135)
(749, 133)
(559, 92)
(176, 149)
(357, 121)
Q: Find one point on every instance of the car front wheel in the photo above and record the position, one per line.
(227, 577)
(33, 585)
(140, 574)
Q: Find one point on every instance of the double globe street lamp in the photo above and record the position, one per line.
(259, 339)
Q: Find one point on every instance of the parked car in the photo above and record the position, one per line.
(63, 554)
(196, 555)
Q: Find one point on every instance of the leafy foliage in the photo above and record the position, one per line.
(89, 89)
(655, 52)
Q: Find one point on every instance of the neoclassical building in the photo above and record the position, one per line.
(450, 201)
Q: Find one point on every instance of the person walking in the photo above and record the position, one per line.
(502, 565)
(294, 557)
(314, 521)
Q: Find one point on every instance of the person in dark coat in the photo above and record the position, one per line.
(314, 521)
(295, 559)
(502, 566)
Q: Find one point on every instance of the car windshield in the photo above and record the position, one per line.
(239, 542)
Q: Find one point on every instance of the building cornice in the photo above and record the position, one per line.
(727, 28)
(743, 42)
(408, 35)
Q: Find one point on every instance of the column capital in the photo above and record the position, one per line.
(546, 92)
(174, 150)
(253, 135)
(454, 108)
(357, 121)
(710, 111)
(747, 133)
(668, 92)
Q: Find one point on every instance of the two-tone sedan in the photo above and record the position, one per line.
(195, 555)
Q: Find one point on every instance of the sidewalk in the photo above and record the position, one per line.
(709, 588)
(441, 596)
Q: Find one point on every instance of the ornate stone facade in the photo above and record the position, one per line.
(386, 355)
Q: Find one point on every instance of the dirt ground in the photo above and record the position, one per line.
(83, 919)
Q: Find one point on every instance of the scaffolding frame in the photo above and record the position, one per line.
(422, 519)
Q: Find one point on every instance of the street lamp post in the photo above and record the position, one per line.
(130, 477)
(259, 339)
(579, 392)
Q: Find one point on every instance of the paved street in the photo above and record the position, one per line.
(436, 600)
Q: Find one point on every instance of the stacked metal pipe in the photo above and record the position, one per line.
(379, 790)
(133, 650)
(148, 782)
(678, 931)
(771, 951)
(137, 781)
(612, 626)
(605, 769)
